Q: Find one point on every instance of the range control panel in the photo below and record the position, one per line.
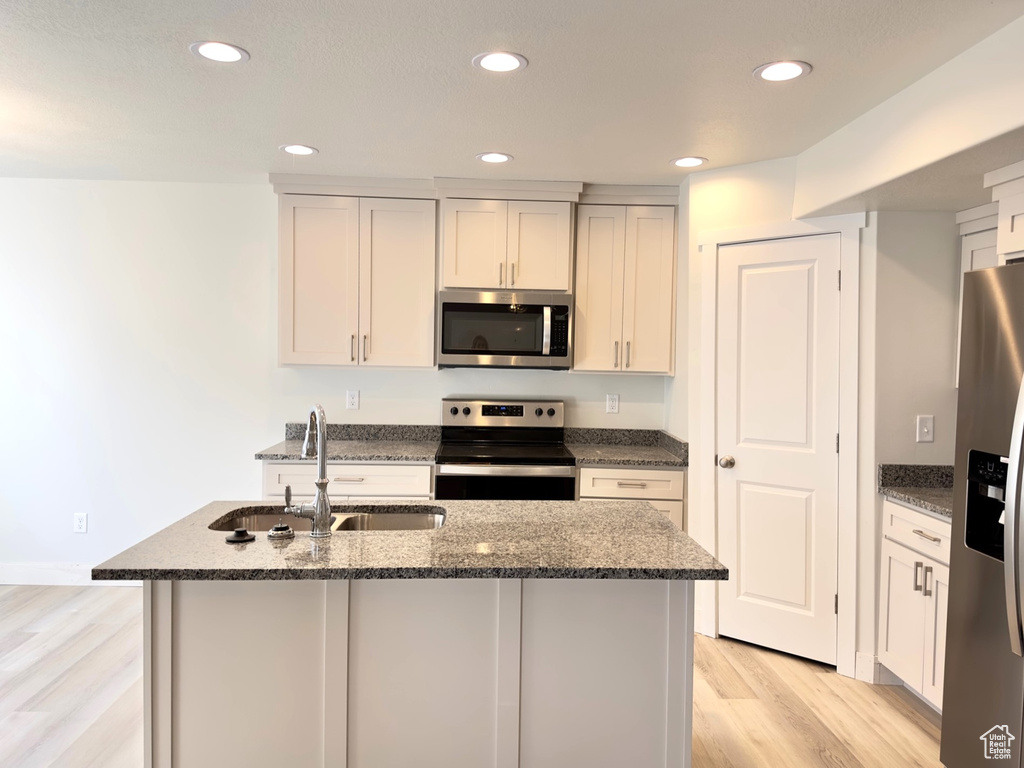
(502, 413)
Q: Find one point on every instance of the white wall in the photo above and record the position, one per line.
(139, 364)
(917, 303)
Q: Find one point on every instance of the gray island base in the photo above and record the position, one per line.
(527, 634)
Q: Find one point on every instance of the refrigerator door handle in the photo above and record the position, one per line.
(1011, 550)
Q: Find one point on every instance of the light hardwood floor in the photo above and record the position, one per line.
(71, 695)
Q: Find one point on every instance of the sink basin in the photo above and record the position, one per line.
(257, 522)
(428, 518)
(347, 517)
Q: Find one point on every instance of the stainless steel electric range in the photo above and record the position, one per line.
(504, 449)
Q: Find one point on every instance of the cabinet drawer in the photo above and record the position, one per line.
(353, 480)
(673, 509)
(618, 483)
(916, 530)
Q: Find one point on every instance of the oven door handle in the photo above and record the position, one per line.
(546, 350)
(506, 470)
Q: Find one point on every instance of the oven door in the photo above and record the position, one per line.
(505, 330)
(501, 482)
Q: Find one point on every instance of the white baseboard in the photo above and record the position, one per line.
(871, 670)
(55, 574)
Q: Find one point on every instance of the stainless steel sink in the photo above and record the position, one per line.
(346, 517)
(257, 522)
(430, 517)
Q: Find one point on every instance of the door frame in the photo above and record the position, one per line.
(704, 506)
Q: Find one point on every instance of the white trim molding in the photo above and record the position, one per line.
(703, 468)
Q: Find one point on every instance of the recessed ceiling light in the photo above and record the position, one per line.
(500, 61)
(298, 149)
(689, 162)
(782, 70)
(222, 52)
(494, 157)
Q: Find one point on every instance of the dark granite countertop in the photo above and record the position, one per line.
(480, 539)
(624, 455)
(936, 500)
(418, 451)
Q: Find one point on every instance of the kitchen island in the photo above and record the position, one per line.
(517, 634)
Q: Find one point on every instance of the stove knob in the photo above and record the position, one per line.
(454, 411)
(465, 411)
(551, 411)
(539, 411)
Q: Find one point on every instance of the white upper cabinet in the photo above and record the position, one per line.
(498, 244)
(1007, 185)
(539, 250)
(396, 282)
(625, 288)
(356, 281)
(319, 279)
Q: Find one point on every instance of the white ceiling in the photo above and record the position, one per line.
(613, 92)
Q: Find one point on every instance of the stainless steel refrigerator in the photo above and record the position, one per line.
(983, 692)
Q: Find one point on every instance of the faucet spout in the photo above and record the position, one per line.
(315, 444)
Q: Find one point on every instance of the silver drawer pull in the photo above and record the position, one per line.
(623, 484)
(917, 576)
(349, 479)
(923, 535)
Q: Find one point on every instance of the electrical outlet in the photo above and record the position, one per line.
(352, 400)
(611, 404)
(926, 429)
(81, 522)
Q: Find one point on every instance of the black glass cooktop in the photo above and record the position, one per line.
(504, 453)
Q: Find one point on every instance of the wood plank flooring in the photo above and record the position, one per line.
(71, 695)
(71, 677)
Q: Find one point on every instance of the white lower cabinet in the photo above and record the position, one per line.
(662, 488)
(914, 595)
(348, 481)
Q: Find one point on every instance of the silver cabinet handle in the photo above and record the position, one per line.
(616, 355)
(1011, 528)
(917, 576)
(924, 535)
(624, 484)
(501, 272)
(513, 268)
(364, 347)
(349, 479)
(352, 347)
(727, 462)
(545, 342)
(627, 354)
(927, 573)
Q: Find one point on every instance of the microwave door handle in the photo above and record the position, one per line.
(1011, 528)
(547, 331)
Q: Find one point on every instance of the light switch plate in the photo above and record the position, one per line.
(352, 399)
(926, 429)
(611, 404)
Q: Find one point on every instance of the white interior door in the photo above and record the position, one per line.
(778, 416)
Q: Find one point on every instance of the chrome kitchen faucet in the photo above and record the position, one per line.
(315, 444)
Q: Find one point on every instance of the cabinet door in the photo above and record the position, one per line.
(539, 251)
(648, 289)
(600, 253)
(673, 509)
(902, 613)
(1011, 227)
(396, 279)
(977, 251)
(318, 283)
(936, 581)
(474, 243)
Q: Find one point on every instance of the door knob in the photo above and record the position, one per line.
(727, 462)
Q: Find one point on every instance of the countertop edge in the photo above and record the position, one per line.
(908, 496)
(331, 574)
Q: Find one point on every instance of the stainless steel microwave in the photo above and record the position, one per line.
(503, 329)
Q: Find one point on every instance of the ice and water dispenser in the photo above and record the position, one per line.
(986, 493)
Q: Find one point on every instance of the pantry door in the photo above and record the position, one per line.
(777, 438)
